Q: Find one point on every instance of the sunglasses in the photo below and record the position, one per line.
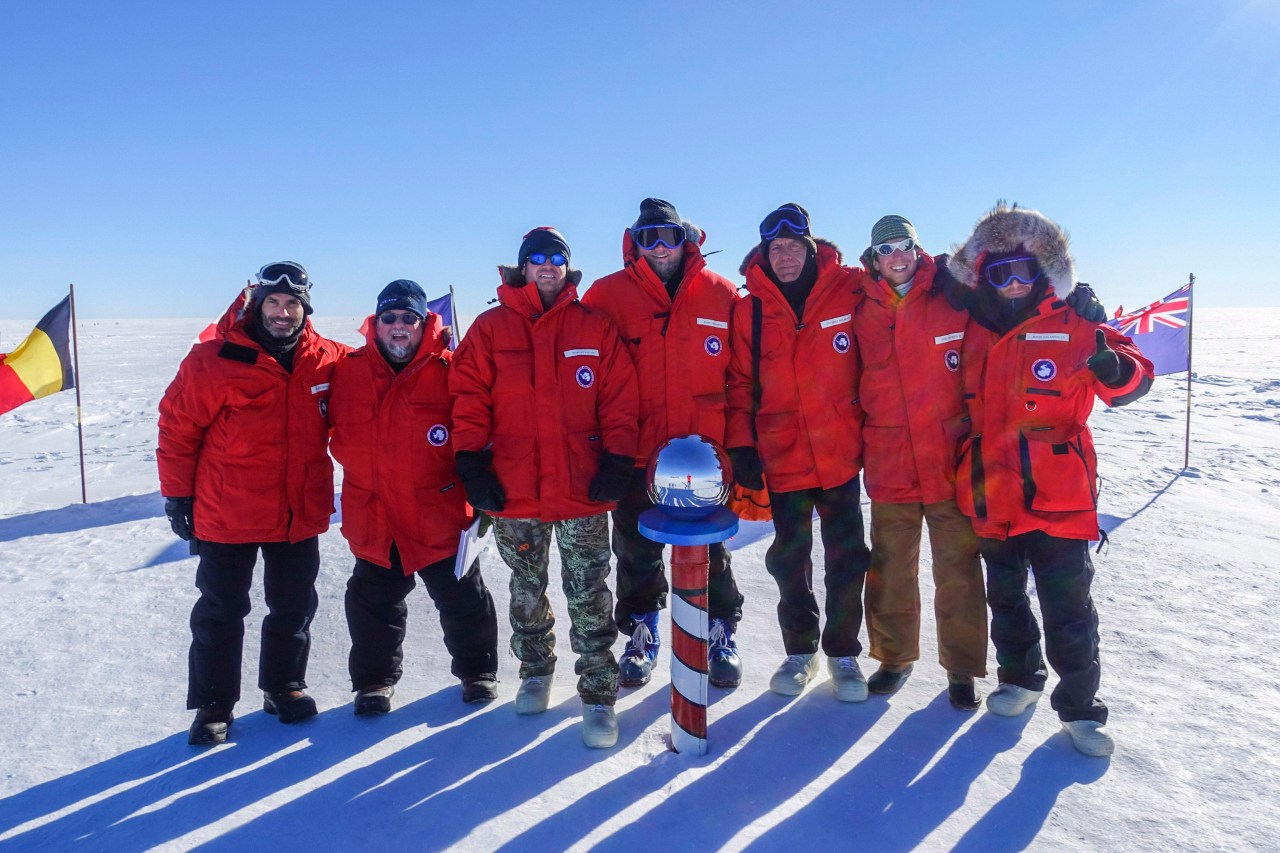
(787, 217)
(1001, 274)
(901, 246)
(653, 236)
(540, 258)
(285, 272)
(406, 318)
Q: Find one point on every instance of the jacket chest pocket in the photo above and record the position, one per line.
(1059, 472)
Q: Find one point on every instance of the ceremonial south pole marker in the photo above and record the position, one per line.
(689, 482)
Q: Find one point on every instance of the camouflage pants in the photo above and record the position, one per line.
(525, 544)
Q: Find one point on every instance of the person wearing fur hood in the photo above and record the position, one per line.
(795, 423)
(1028, 471)
(544, 431)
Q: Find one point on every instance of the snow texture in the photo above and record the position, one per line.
(93, 752)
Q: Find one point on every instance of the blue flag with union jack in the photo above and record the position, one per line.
(444, 307)
(1161, 330)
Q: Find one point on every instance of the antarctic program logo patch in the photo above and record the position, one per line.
(438, 435)
(952, 360)
(841, 342)
(586, 376)
(1044, 369)
(713, 345)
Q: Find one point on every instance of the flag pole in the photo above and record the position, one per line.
(1186, 450)
(457, 319)
(75, 355)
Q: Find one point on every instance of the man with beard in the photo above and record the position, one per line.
(244, 469)
(402, 502)
(673, 314)
(1028, 470)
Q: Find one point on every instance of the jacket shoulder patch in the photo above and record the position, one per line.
(238, 352)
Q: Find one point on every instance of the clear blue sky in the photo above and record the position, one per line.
(157, 153)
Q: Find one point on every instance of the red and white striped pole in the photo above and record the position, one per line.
(689, 567)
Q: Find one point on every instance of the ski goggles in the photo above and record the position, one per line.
(540, 258)
(285, 272)
(784, 217)
(653, 236)
(405, 318)
(1001, 274)
(887, 249)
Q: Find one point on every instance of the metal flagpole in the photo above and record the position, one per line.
(75, 355)
(1186, 450)
(457, 319)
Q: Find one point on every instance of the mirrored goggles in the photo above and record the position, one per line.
(540, 258)
(901, 246)
(784, 217)
(652, 236)
(285, 272)
(1001, 274)
(405, 318)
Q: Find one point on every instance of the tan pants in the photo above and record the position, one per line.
(893, 587)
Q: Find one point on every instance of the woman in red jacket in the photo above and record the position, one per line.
(794, 415)
(545, 430)
(402, 502)
(1028, 472)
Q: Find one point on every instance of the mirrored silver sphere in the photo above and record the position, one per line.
(689, 476)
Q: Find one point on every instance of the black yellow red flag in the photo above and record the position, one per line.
(41, 365)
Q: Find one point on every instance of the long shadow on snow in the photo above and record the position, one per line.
(436, 793)
(1109, 523)
(75, 517)
(1014, 822)
(793, 748)
(169, 789)
(881, 804)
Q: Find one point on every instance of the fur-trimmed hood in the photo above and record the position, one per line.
(820, 241)
(1005, 229)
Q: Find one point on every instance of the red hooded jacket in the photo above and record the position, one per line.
(680, 347)
(392, 435)
(809, 422)
(911, 389)
(547, 391)
(248, 439)
(1029, 463)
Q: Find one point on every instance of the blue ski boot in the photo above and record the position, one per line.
(636, 665)
(723, 664)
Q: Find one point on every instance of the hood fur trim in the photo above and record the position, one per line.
(1006, 228)
(512, 276)
(820, 241)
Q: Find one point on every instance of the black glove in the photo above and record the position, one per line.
(181, 513)
(747, 471)
(612, 482)
(1086, 304)
(481, 484)
(1106, 365)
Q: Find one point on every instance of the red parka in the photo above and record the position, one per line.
(911, 389)
(1029, 463)
(680, 347)
(547, 391)
(809, 422)
(248, 439)
(392, 434)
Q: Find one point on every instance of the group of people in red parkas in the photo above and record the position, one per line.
(959, 387)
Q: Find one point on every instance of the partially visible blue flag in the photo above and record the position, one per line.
(444, 307)
(1161, 331)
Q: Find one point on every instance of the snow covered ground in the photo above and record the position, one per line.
(93, 638)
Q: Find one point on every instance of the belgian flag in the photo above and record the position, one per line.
(41, 365)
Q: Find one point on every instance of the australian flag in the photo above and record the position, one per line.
(1161, 330)
(444, 307)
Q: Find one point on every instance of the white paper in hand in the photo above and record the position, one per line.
(470, 546)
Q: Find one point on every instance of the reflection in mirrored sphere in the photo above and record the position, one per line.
(689, 476)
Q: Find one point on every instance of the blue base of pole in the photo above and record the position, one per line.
(716, 526)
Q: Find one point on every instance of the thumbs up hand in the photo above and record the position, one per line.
(1104, 363)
